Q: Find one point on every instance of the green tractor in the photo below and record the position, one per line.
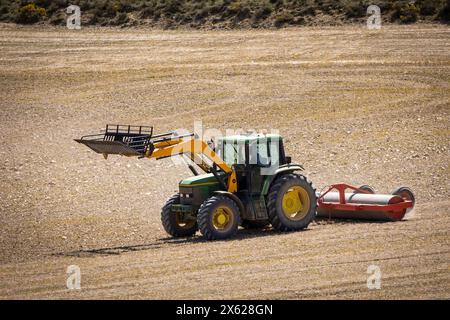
(282, 197)
(248, 181)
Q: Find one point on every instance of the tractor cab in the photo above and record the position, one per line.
(254, 159)
(255, 150)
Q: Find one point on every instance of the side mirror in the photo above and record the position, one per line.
(288, 160)
(212, 145)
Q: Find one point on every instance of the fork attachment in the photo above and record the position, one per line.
(124, 140)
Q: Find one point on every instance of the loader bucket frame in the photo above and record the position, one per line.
(140, 141)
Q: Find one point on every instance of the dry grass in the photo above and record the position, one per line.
(354, 106)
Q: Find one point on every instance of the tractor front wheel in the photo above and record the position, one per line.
(218, 218)
(173, 222)
(291, 203)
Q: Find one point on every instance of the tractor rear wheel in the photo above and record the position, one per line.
(218, 218)
(254, 224)
(173, 221)
(291, 203)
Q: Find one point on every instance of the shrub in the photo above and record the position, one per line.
(58, 18)
(147, 12)
(406, 13)
(5, 14)
(39, 3)
(172, 6)
(93, 19)
(127, 6)
(217, 8)
(201, 13)
(444, 14)
(283, 18)
(84, 5)
(307, 11)
(30, 13)
(355, 10)
(263, 12)
(428, 8)
(385, 6)
(4, 10)
(121, 18)
(240, 10)
(409, 14)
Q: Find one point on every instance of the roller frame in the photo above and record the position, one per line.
(344, 206)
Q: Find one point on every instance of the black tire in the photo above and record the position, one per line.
(407, 194)
(281, 186)
(207, 215)
(365, 187)
(171, 223)
(255, 224)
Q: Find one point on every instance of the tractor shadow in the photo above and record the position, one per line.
(166, 242)
(117, 250)
(242, 234)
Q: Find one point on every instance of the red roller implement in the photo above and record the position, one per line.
(362, 204)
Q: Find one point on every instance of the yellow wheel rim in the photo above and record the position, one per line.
(183, 224)
(222, 218)
(296, 203)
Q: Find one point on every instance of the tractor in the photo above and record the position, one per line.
(247, 180)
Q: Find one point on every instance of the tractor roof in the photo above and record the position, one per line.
(250, 137)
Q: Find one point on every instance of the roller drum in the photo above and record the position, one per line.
(361, 198)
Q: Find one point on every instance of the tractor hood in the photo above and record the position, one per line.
(206, 179)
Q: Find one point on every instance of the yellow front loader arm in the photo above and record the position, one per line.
(140, 141)
(192, 148)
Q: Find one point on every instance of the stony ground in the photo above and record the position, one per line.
(355, 105)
